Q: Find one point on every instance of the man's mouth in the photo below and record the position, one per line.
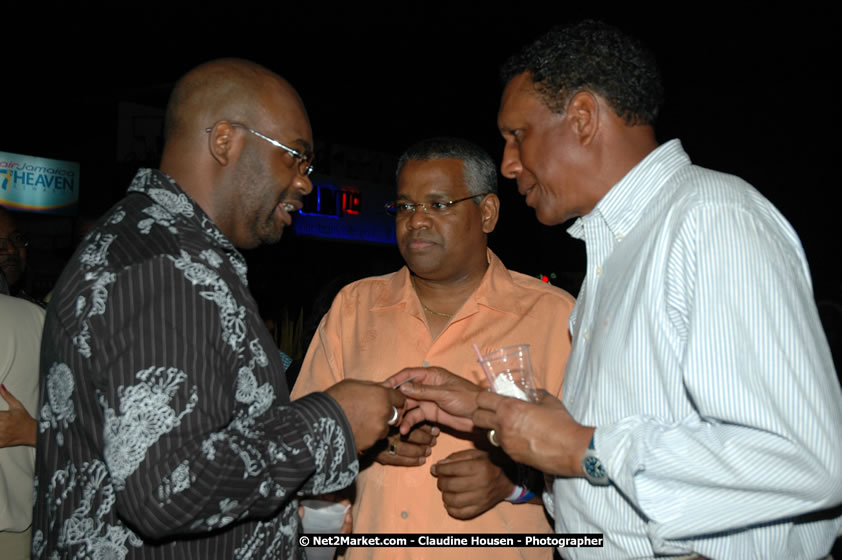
(527, 192)
(419, 243)
(286, 208)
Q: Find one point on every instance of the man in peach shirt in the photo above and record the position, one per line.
(454, 292)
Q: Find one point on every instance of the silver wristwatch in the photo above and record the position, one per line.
(591, 464)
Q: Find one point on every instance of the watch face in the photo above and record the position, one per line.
(593, 466)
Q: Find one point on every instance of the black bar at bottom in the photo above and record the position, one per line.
(570, 540)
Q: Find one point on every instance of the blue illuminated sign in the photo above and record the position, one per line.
(38, 184)
(337, 212)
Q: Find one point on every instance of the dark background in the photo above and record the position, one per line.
(755, 93)
(750, 91)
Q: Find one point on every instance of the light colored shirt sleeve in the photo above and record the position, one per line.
(765, 443)
(21, 323)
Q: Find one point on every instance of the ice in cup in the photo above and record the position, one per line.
(511, 372)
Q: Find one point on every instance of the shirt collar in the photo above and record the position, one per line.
(496, 291)
(623, 205)
(163, 189)
(165, 192)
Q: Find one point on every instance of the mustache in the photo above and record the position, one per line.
(422, 238)
(291, 195)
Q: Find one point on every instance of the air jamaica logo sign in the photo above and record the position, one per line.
(38, 184)
(5, 177)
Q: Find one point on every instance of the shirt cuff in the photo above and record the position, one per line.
(330, 441)
(615, 447)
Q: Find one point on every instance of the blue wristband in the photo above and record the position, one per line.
(520, 495)
(528, 495)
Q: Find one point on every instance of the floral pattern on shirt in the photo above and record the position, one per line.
(58, 411)
(146, 416)
(86, 529)
(162, 401)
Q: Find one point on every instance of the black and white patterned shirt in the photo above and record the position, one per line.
(166, 429)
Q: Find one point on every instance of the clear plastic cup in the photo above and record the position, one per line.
(322, 516)
(511, 371)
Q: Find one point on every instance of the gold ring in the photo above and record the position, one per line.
(393, 448)
(492, 437)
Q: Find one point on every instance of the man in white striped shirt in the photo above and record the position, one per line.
(701, 413)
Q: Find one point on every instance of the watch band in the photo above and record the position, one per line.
(592, 465)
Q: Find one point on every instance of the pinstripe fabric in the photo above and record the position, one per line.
(699, 356)
(166, 429)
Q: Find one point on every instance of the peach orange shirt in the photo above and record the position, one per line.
(376, 327)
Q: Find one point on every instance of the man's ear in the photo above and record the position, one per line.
(584, 113)
(490, 210)
(221, 142)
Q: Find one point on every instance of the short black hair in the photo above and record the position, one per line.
(479, 169)
(592, 56)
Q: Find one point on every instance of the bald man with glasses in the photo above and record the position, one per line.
(166, 428)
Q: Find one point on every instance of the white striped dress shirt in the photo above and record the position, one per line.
(699, 356)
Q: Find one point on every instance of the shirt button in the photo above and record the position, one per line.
(425, 363)
(404, 514)
(620, 236)
(587, 334)
(599, 271)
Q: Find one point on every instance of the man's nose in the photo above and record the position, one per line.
(420, 218)
(302, 184)
(511, 166)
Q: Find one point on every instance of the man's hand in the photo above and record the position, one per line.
(541, 435)
(368, 407)
(17, 427)
(470, 483)
(411, 450)
(438, 396)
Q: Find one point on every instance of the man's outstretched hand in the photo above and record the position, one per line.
(437, 396)
(368, 407)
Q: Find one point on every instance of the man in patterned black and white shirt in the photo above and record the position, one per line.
(166, 429)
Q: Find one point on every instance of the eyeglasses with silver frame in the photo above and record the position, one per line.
(305, 161)
(400, 209)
